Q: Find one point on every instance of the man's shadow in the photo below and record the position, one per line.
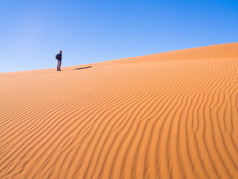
(83, 68)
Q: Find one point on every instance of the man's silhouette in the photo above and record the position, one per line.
(59, 59)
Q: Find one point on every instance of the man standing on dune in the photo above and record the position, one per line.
(59, 59)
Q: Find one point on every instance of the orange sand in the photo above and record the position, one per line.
(169, 115)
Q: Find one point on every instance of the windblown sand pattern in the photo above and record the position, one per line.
(169, 115)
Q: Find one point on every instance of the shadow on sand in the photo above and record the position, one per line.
(82, 68)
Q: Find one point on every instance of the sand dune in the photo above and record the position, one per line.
(168, 115)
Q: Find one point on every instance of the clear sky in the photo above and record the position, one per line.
(33, 31)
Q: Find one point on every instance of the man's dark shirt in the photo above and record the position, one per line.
(60, 56)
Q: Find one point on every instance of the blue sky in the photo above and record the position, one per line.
(32, 32)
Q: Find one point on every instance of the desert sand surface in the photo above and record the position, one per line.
(167, 115)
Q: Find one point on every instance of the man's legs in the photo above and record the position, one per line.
(59, 65)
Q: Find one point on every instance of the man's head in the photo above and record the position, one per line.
(60, 51)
